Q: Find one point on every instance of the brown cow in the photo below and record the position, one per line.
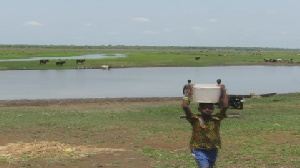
(44, 61)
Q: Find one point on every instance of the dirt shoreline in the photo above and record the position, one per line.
(217, 65)
(220, 65)
(81, 101)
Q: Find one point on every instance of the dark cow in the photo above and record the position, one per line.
(60, 63)
(270, 60)
(44, 61)
(197, 58)
(80, 61)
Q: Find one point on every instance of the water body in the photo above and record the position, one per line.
(143, 82)
(91, 56)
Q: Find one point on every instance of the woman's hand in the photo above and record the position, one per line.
(188, 95)
(186, 101)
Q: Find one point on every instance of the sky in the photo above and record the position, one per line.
(209, 23)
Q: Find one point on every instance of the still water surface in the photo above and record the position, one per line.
(91, 56)
(143, 82)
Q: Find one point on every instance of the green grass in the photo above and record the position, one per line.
(266, 136)
(138, 56)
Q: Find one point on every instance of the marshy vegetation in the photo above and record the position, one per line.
(141, 56)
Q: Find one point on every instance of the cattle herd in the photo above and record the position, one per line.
(78, 61)
(266, 60)
(81, 61)
(279, 60)
(60, 63)
(44, 61)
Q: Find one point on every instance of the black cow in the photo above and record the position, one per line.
(80, 61)
(273, 60)
(44, 61)
(197, 58)
(60, 63)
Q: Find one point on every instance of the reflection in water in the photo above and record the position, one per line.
(143, 82)
(91, 56)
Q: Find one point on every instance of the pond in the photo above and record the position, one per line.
(143, 82)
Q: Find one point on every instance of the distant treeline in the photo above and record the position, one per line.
(146, 48)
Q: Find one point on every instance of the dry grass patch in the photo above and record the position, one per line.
(49, 149)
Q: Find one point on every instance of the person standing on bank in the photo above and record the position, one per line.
(205, 140)
(185, 87)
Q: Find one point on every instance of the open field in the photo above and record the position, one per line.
(143, 132)
(145, 56)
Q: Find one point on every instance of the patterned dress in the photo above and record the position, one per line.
(206, 135)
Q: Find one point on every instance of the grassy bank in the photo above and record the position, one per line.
(142, 56)
(267, 135)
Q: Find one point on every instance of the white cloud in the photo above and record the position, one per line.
(213, 20)
(88, 24)
(140, 19)
(33, 23)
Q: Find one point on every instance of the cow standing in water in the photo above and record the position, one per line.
(44, 61)
(80, 61)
